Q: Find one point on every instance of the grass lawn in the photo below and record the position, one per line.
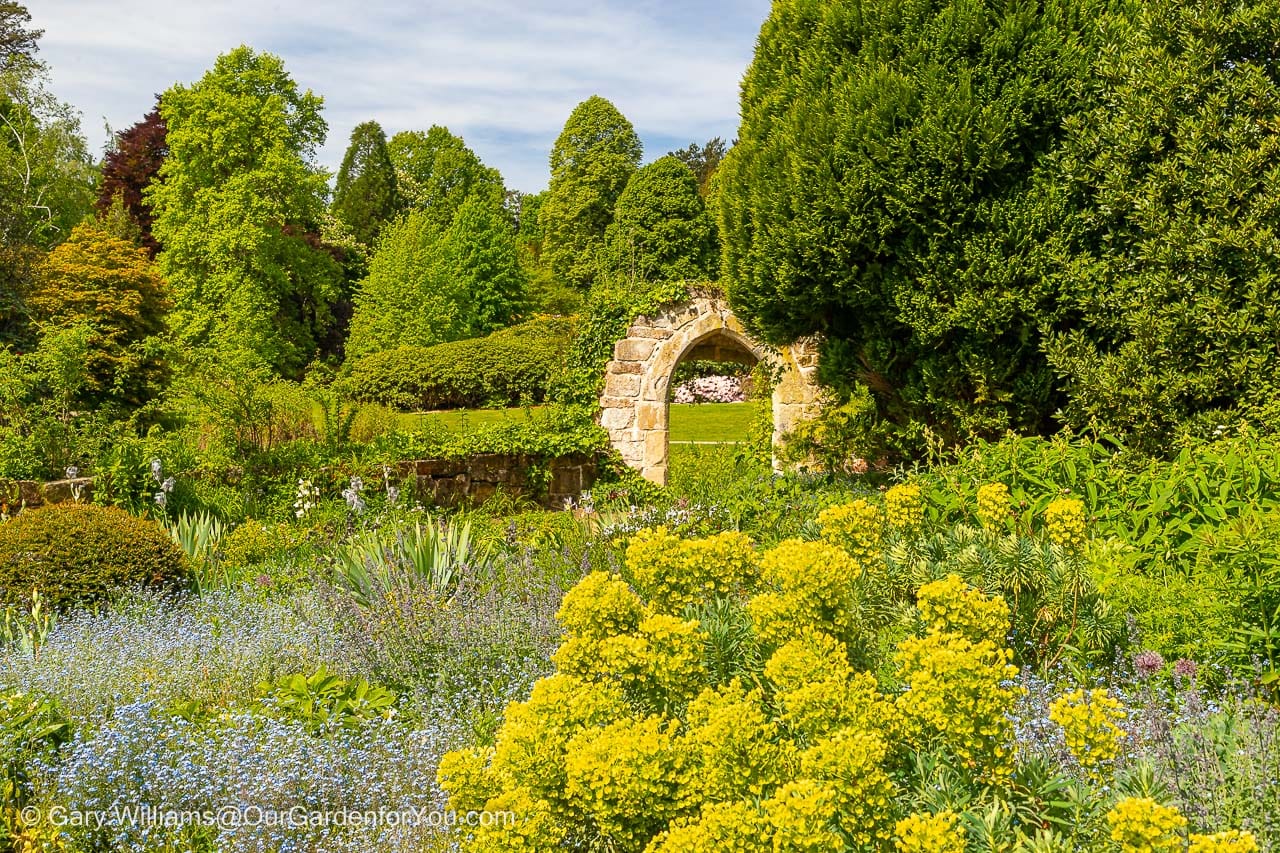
(712, 422)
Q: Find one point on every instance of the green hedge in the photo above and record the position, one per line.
(506, 368)
(78, 553)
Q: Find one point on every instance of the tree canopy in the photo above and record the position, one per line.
(1167, 263)
(236, 208)
(18, 43)
(438, 173)
(661, 230)
(129, 168)
(595, 155)
(703, 160)
(890, 190)
(366, 195)
(46, 174)
(426, 286)
(96, 280)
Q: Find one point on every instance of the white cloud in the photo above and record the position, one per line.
(502, 73)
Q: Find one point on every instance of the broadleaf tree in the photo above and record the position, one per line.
(427, 286)
(46, 174)
(703, 160)
(437, 173)
(129, 168)
(109, 285)
(236, 209)
(595, 155)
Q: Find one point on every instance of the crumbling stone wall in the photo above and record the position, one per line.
(474, 479)
(16, 494)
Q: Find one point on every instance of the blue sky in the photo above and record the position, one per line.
(504, 74)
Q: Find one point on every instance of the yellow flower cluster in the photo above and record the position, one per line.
(632, 777)
(672, 572)
(628, 748)
(850, 763)
(655, 657)
(957, 691)
(929, 833)
(737, 827)
(531, 746)
(1064, 519)
(600, 606)
(818, 692)
(1089, 721)
(466, 773)
(858, 527)
(536, 828)
(739, 748)
(802, 814)
(995, 505)
(1141, 825)
(1231, 841)
(952, 606)
(904, 506)
(814, 588)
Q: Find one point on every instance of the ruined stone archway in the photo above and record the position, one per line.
(634, 403)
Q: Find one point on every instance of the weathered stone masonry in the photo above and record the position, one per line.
(474, 479)
(634, 402)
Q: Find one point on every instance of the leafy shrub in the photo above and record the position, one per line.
(1199, 526)
(546, 432)
(609, 311)
(76, 554)
(254, 542)
(710, 389)
(43, 428)
(324, 701)
(630, 747)
(31, 729)
(505, 368)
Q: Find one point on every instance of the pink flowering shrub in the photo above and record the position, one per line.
(711, 389)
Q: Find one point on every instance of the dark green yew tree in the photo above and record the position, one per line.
(1169, 266)
(595, 155)
(661, 230)
(365, 196)
(887, 191)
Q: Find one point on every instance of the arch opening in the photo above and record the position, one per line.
(638, 381)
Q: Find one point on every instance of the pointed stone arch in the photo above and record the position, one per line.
(634, 405)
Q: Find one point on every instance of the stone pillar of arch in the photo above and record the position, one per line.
(637, 380)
